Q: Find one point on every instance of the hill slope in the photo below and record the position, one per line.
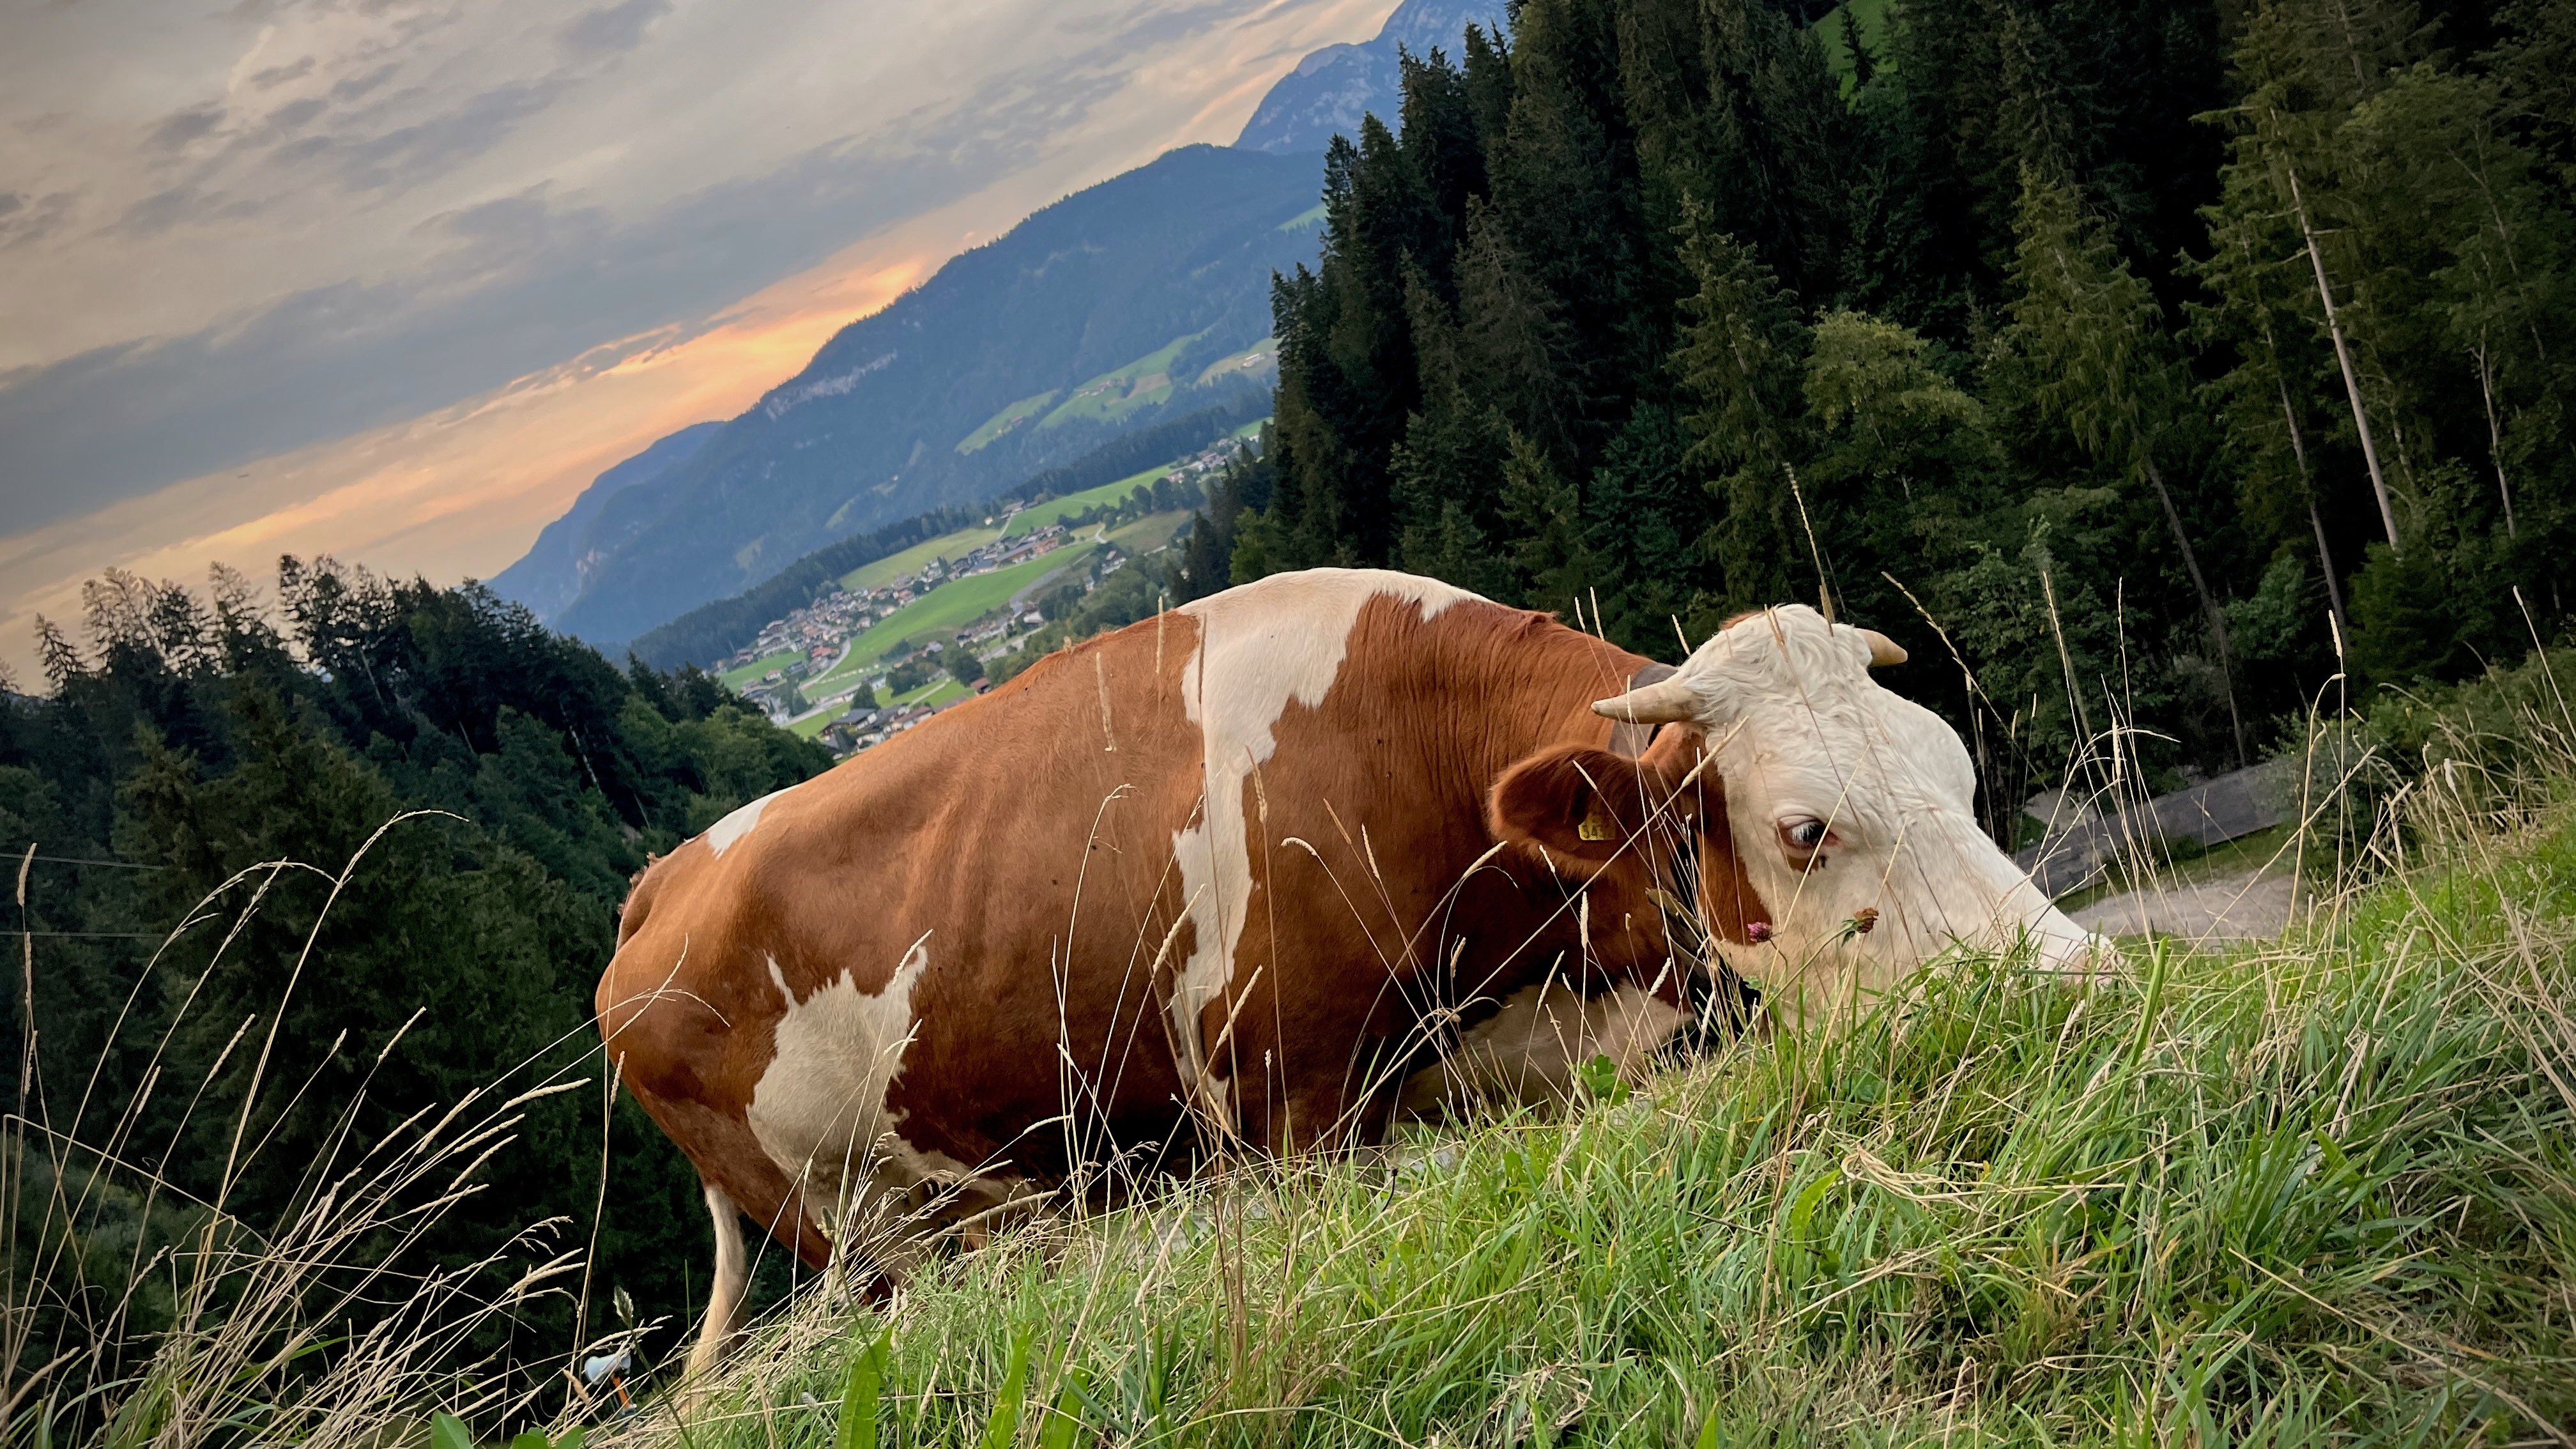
(549, 576)
(1109, 310)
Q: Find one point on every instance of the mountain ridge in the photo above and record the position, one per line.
(1170, 262)
(1332, 88)
(1113, 308)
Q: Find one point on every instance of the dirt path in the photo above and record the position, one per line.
(2247, 906)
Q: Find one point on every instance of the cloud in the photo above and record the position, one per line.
(409, 155)
(177, 131)
(421, 374)
(611, 29)
(26, 220)
(513, 285)
(278, 75)
(160, 211)
(520, 285)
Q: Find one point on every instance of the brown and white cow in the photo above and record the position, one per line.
(1270, 868)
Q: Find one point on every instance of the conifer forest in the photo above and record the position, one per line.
(2151, 346)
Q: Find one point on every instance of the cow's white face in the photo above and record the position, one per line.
(1852, 810)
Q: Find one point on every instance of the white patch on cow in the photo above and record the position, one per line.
(738, 824)
(820, 1112)
(1260, 646)
(1527, 1052)
(820, 1107)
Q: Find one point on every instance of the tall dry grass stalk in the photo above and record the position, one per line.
(327, 1325)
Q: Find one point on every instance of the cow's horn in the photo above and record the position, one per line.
(1882, 650)
(1662, 702)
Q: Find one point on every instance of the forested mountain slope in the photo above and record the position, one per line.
(1136, 299)
(549, 576)
(2126, 341)
(200, 769)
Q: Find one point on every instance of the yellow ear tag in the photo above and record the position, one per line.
(1595, 826)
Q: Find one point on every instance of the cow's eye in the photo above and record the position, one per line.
(1803, 834)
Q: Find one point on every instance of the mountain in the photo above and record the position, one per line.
(550, 576)
(1331, 89)
(1142, 298)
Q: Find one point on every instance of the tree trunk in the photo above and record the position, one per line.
(2495, 435)
(2343, 356)
(2208, 601)
(2308, 487)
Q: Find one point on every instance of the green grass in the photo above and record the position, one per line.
(1114, 395)
(1005, 420)
(896, 565)
(1039, 515)
(750, 673)
(1261, 355)
(1149, 532)
(952, 605)
(1311, 216)
(2322, 1192)
(938, 691)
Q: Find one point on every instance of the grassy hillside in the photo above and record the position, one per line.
(750, 673)
(2316, 1191)
(952, 604)
(1115, 394)
(895, 565)
(2320, 1191)
(1005, 420)
(1039, 515)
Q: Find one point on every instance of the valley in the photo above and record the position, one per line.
(896, 639)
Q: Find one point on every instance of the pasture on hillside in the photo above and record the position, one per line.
(948, 606)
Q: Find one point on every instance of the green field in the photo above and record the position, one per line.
(895, 565)
(937, 692)
(1150, 532)
(1311, 216)
(951, 605)
(1005, 420)
(749, 674)
(1261, 355)
(1039, 515)
(1113, 395)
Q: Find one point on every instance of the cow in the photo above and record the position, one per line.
(1265, 872)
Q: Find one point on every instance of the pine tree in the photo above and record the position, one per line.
(1739, 358)
(2106, 370)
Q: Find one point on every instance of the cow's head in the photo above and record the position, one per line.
(1848, 813)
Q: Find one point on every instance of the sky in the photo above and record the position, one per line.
(391, 280)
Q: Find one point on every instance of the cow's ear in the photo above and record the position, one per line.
(1578, 801)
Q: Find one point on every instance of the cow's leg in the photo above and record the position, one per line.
(733, 1278)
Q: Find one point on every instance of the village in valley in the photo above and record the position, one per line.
(899, 639)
